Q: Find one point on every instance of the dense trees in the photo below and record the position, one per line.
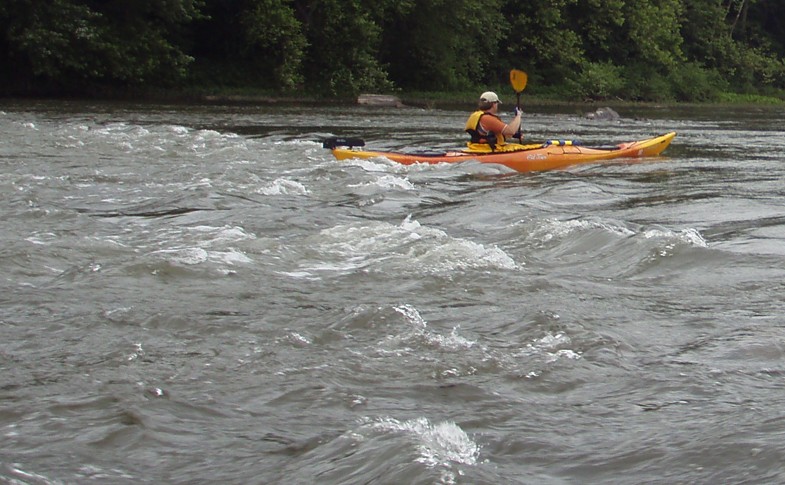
(62, 45)
(633, 49)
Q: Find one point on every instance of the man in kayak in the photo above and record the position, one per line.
(488, 131)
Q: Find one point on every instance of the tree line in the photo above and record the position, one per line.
(660, 50)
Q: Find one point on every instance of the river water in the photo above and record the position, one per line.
(202, 294)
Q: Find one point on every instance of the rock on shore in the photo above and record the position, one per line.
(380, 100)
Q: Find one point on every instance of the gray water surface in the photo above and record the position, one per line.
(202, 294)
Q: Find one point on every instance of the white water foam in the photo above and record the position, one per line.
(412, 315)
(551, 229)
(444, 444)
(283, 186)
(688, 236)
(550, 348)
(388, 182)
(380, 247)
(187, 256)
(419, 332)
(131, 138)
(204, 244)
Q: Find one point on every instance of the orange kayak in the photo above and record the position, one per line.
(545, 156)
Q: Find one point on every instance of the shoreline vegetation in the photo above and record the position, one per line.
(321, 51)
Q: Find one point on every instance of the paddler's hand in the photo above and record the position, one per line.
(517, 111)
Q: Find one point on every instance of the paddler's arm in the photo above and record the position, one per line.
(514, 126)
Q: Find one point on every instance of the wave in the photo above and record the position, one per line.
(441, 444)
(282, 186)
(379, 247)
(607, 248)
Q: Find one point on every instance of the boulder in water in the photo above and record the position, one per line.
(604, 114)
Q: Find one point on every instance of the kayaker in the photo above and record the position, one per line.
(488, 132)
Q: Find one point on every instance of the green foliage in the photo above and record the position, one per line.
(735, 98)
(343, 40)
(272, 29)
(661, 50)
(654, 31)
(55, 39)
(705, 34)
(600, 24)
(73, 45)
(597, 80)
(693, 82)
(711, 32)
(645, 83)
(758, 69)
(765, 26)
(642, 81)
(542, 38)
(441, 44)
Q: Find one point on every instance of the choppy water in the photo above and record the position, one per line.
(197, 294)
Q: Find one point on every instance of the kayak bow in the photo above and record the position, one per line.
(544, 156)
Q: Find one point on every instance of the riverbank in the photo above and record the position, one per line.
(433, 100)
(415, 99)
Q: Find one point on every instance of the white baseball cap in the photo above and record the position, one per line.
(490, 97)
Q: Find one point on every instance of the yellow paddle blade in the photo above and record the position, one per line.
(518, 80)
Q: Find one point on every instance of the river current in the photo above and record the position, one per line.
(202, 294)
